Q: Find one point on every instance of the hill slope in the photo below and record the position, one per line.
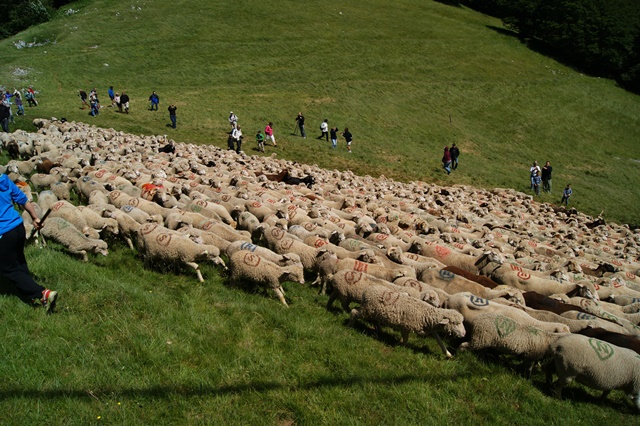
(407, 78)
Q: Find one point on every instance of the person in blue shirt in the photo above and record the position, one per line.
(12, 239)
(155, 100)
(566, 194)
(112, 96)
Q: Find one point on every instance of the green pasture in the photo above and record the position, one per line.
(134, 346)
(406, 77)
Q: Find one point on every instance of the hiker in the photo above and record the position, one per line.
(324, 128)
(348, 137)
(14, 264)
(446, 160)
(5, 113)
(268, 130)
(455, 153)
(237, 138)
(112, 95)
(533, 169)
(172, 114)
(233, 120)
(83, 98)
(124, 102)
(566, 194)
(334, 137)
(19, 103)
(260, 140)
(546, 177)
(155, 100)
(536, 182)
(300, 121)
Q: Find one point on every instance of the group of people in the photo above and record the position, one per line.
(450, 158)
(120, 100)
(325, 132)
(6, 111)
(543, 176)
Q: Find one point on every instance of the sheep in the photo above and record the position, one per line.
(452, 284)
(70, 213)
(515, 276)
(618, 339)
(495, 331)
(247, 265)
(287, 259)
(99, 222)
(281, 242)
(62, 190)
(160, 244)
(596, 364)
(328, 263)
(127, 226)
(407, 314)
(63, 232)
(471, 306)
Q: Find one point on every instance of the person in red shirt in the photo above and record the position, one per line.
(268, 130)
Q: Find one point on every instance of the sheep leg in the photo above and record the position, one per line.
(405, 336)
(332, 299)
(560, 384)
(445, 351)
(279, 291)
(129, 242)
(197, 269)
(605, 394)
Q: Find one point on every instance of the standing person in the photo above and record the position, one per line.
(348, 137)
(14, 264)
(268, 130)
(324, 128)
(260, 140)
(95, 109)
(566, 194)
(32, 95)
(237, 137)
(300, 121)
(4, 115)
(124, 102)
(455, 153)
(112, 95)
(546, 177)
(116, 99)
(233, 120)
(536, 182)
(83, 98)
(334, 137)
(172, 114)
(30, 99)
(446, 160)
(533, 169)
(155, 100)
(19, 103)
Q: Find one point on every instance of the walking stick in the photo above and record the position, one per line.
(34, 230)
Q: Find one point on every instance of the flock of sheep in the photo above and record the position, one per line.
(491, 266)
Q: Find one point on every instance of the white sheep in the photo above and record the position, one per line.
(249, 266)
(472, 306)
(160, 244)
(63, 232)
(596, 364)
(495, 331)
(407, 314)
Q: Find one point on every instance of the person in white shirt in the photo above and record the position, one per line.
(324, 128)
(534, 168)
(233, 120)
(237, 137)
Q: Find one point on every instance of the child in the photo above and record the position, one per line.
(260, 140)
(566, 194)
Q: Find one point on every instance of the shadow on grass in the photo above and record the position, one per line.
(189, 390)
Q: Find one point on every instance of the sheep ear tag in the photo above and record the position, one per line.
(505, 326)
(603, 350)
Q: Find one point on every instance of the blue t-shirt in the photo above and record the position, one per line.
(9, 194)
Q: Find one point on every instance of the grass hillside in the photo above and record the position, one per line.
(135, 347)
(407, 78)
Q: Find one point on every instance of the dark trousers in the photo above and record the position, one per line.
(302, 132)
(454, 163)
(173, 121)
(324, 135)
(14, 265)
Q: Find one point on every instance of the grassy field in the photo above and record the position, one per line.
(406, 77)
(133, 346)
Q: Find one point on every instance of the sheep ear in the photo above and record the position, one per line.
(444, 321)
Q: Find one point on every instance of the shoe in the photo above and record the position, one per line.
(49, 299)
